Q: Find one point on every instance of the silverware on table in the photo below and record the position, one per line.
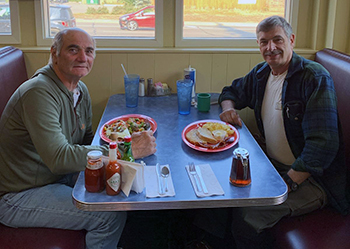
(165, 174)
(199, 172)
(159, 178)
(193, 172)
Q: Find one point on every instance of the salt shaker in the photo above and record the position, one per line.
(142, 87)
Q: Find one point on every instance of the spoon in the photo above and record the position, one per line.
(165, 173)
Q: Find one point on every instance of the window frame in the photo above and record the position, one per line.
(41, 14)
(291, 13)
(15, 37)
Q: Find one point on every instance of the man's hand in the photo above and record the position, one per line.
(229, 113)
(143, 144)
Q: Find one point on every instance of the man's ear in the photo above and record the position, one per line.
(292, 40)
(53, 55)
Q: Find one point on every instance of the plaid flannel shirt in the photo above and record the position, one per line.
(310, 118)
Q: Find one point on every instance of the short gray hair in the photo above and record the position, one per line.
(274, 21)
(57, 41)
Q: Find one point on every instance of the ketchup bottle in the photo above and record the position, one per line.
(113, 172)
(94, 172)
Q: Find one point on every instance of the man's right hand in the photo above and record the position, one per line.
(143, 144)
(229, 113)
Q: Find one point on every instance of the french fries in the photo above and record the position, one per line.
(218, 126)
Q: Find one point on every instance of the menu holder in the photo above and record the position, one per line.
(132, 177)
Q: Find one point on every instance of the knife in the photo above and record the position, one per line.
(199, 172)
(160, 185)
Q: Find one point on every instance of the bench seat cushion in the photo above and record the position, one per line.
(12, 73)
(41, 238)
(322, 229)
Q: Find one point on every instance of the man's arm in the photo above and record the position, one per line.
(297, 176)
(229, 113)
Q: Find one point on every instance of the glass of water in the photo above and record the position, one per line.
(131, 83)
(184, 95)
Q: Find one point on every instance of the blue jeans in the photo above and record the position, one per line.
(51, 206)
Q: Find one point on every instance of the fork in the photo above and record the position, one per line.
(193, 172)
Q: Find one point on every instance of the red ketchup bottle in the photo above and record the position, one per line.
(113, 172)
(94, 172)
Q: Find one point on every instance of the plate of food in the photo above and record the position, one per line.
(210, 135)
(118, 128)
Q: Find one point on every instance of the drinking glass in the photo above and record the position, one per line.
(184, 95)
(131, 83)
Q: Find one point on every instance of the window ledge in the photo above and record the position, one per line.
(172, 50)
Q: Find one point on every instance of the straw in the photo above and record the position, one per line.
(124, 71)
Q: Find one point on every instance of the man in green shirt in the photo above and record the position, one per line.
(45, 135)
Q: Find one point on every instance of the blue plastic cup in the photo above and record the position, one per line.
(184, 95)
(131, 83)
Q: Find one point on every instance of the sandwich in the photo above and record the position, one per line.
(206, 135)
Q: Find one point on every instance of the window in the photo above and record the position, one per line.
(9, 22)
(117, 23)
(224, 23)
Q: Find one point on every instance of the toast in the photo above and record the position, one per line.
(193, 138)
(206, 135)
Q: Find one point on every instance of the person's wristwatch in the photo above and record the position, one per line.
(293, 186)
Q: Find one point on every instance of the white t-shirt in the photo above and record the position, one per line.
(76, 94)
(276, 141)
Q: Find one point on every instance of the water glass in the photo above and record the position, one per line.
(184, 95)
(131, 83)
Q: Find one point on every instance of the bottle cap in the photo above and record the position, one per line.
(112, 145)
(127, 139)
(94, 154)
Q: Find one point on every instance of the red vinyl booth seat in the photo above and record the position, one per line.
(12, 74)
(323, 229)
(41, 238)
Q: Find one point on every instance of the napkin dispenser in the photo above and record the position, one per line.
(132, 176)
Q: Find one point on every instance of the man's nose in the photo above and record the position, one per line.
(82, 56)
(271, 45)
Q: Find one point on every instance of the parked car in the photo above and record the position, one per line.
(61, 17)
(5, 24)
(143, 18)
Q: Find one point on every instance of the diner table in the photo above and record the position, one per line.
(266, 188)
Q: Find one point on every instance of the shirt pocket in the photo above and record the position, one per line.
(294, 111)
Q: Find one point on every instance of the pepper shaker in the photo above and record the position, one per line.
(149, 86)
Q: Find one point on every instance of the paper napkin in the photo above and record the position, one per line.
(132, 176)
(151, 180)
(210, 180)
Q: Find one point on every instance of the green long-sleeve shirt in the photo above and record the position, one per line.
(42, 135)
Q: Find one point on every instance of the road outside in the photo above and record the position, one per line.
(108, 25)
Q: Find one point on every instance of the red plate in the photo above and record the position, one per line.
(152, 122)
(201, 123)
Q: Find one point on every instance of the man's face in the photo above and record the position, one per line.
(76, 57)
(276, 48)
